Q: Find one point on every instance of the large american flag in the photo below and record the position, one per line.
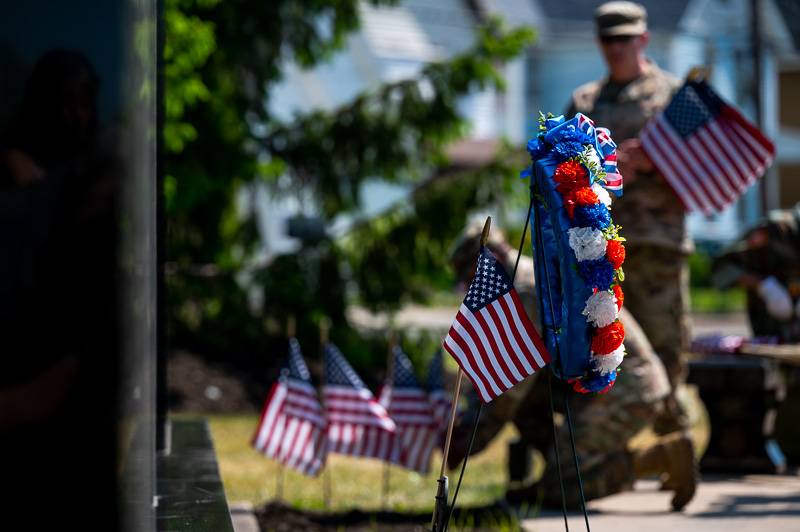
(292, 426)
(357, 424)
(408, 405)
(492, 338)
(707, 151)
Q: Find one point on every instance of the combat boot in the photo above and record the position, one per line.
(673, 455)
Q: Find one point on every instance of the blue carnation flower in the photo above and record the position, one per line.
(597, 273)
(567, 149)
(576, 135)
(595, 216)
(597, 382)
(567, 141)
(567, 132)
(536, 148)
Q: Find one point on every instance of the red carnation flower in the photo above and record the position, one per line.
(615, 252)
(619, 295)
(586, 196)
(570, 175)
(608, 338)
(567, 190)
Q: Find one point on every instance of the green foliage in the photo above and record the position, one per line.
(397, 132)
(700, 268)
(410, 245)
(222, 60)
(595, 169)
(191, 41)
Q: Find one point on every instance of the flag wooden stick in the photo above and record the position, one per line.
(390, 383)
(452, 420)
(440, 513)
(323, 341)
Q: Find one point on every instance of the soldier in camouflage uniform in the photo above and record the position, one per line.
(652, 217)
(766, 261)
(603, 424)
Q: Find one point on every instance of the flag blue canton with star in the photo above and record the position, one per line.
(435, 373)
(691, 108)
(338, 371)
(490, 282)
(297, 366)
(403, 370)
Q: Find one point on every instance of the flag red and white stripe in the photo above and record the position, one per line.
(357, 424)
(492, 338)
(585, 124)
(438, 396)
(409, 406)
(705, 149)
(417, 431)
(607, 146)
(613, 180)
(291, 429)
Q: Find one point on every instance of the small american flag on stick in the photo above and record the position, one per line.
(408, 405)
(492, 338)
(707, 151)
(438, 396)
(357, 424)
(292, 427)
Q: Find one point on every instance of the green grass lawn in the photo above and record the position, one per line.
(355, 483)
(358, 483)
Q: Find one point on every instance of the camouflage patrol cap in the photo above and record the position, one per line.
(620, 18)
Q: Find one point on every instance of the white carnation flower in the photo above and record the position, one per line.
(602, 194)
(601, 308)
(607, 363)
(587, 243)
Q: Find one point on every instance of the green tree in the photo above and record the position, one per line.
(222, 60)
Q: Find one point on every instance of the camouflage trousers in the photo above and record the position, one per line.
(601, 435)
(602, 427)
(657, 294)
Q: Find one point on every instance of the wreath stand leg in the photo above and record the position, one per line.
(535, 205)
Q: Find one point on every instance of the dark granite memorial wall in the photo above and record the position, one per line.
(78, 263)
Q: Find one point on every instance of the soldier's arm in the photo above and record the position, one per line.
(730, 268)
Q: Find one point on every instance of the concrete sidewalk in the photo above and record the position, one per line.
(726, 504)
